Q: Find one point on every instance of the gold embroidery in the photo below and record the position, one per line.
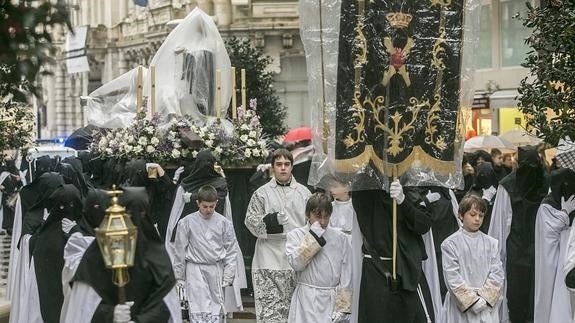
(431, 130)
(443, 3)
(436, 60)
(490, 292)
(343, 300)
(465, 297)
(397, 57)
(308, 248)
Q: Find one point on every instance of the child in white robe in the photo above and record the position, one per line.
(205, 258)
(320, 257)
(472, 269)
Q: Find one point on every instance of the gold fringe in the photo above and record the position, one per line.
(356, 164)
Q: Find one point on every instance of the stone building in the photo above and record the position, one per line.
(122, 35)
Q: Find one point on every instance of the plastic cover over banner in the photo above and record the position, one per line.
(388, 81)
(113, 105)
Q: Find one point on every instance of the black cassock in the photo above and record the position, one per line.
(377, 301)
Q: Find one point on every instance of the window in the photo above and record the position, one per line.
(484, 52)
(513, 34)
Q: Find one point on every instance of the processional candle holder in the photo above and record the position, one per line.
(152, 172)
(116, 237)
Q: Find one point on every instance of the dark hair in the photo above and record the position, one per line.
(495, 152)
(470, 201)
(207, 193)
(281, 152)
(318, 203)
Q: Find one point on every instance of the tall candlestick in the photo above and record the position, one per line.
(234, 103)
(244, 88)
(218, 93)
(139, 91)
(153, 96)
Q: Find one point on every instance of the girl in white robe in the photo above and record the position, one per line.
(320, 256)
(472, 269)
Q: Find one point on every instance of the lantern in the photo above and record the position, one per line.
(117, 240)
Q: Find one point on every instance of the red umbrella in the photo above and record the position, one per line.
(298, 134)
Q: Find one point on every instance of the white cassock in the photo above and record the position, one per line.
(13, 271)
(551, 293)
(205, 257)
(568, 265)
(233, 297)
(472, 269)
(272, 276)
(81, 300)
(342, 216)
(323, 275)
(499, 228)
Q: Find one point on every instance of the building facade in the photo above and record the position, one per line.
(122, 35)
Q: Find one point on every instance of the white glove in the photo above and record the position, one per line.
(187, 197)
(432, 196)
(178, 172)
(317, 229)
(264, 167)
(339, 317)
(122, 312)
(156, 166)
(568, 205)
(67, 225)
(396, 191)
(479, 306)
(489, 193)
(283, 218)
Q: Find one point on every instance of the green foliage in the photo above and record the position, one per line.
(551, 82)
(25, 42)
(259, 84)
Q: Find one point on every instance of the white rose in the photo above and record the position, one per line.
(112, 142)
(109, 151)
(253, 134)
(209, 143)
(202, 134)
(143, 141)
(212, 136)
(177, 144)
(150, 149)
(154, 141)
(256, 152)
(244, 138)
(218, 150)
(128, 148)
(245, 127)
(138, 149)
(175, 153)
(150, 129)
(172, 134)
(265, 153)
(251, 142)
(131, 139)
(247, 153)
(194, 153)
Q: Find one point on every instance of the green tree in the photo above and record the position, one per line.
(26, 42)
(259, 84)
(551, 62)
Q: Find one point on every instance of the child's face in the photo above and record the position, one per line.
(498, 160)
(321, 217)
(339, 191)
(206, 208)
(472, 219)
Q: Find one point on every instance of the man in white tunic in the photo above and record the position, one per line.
(320, 256)
(551, 236)
(472, 269)
(205, 258)
(275, 209)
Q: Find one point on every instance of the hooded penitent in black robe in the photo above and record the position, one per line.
(34, 198)
(519, 196)
(47, 250)
(151, 277)
(95, 205)
(377, 301)
(485, 177)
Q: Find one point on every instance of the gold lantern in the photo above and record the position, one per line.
(117, 240)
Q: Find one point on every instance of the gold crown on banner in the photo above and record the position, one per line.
(399, 19)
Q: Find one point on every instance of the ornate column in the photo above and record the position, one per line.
(223, 12)
(60, 76)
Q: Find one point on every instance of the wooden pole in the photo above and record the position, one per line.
(218, 93)
(153, 95)
(244, 88)
(139, 91)
(234, 99)
(394, 220)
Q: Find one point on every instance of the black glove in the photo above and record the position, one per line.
(272, 224)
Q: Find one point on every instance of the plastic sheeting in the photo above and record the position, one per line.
(186, 66)
(113, 105)
(388, 88)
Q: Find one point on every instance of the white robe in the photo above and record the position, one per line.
(551, 294)
(205, 257)
(21, 283)
(472, 269)
(272, 275)
(14, 250)
(342, 216)
(499, 228)
(323, 275)
(568, 265)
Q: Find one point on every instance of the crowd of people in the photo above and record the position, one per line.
(497, 250)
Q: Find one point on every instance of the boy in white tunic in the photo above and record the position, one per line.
(205, 258)
(472, 269)
(320, 257)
